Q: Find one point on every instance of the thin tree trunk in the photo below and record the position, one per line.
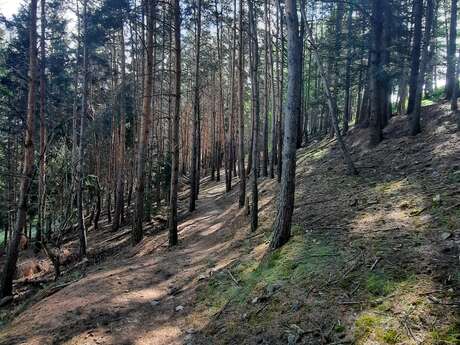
(42, 176)
(196, 116)
(415, 55)
(274, 108)
(451, 49)
(9, 269)
(75, 118)
(256, 113)
(230, 152)
(280, 33)
(120, 182)
(241, 167)
(266, 92)
(282, 225)
(377, 84)
(175, 130)
(144, 132)
(347, 110)
(415, 127)
(84, 107)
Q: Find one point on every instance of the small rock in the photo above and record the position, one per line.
(437, 199)
(404, 205)
(202, 277)
(179, 308)
(272, 288)
(154, 302)
(446, 236)
(296, 306)
(292, 338)
(190, 331)
(255, 300)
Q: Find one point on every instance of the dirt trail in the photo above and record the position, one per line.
(146, 295)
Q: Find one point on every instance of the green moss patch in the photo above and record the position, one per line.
(299, 260)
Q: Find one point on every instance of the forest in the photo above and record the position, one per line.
(229, 172)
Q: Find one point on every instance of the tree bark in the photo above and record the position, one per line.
(451, 49)
(42, 172)
(415, 127)
(138, 233)
(280, 62)
(84, 107)
(377, 84)
(256, 114)
(415, 55)
(9, 268)
(241, 167)
(194, 179)
(347, 110)
(273, 155)
(120, 182)
(282, 225)
(266, 93)
(173, 238)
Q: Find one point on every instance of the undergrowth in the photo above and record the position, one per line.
(304, 258)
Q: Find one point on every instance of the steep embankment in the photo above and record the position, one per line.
(373, 260)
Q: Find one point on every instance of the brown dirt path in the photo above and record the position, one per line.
(137, 297)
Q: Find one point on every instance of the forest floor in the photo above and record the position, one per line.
(374, 259)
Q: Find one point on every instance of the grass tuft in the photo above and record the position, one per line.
(379, 284)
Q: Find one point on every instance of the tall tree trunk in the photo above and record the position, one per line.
(451, 49)
(194, 179)
(415, 127)
(241, 167)
(256, 114)
(266, 93)
(377, 83)
(42, 179)
(415, 55)
(224, 135)
(144, 132)
(84, 108)
(282, 225)
(347, 110)
(232, 129)
(9, 269)
(454, 100)
(175, 130)
(280, 61)
(120, 182)
(273, 155)
(75, 117)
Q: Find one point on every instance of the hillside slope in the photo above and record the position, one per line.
(374, 260)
